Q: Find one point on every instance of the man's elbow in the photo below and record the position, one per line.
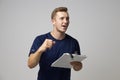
(30, 65)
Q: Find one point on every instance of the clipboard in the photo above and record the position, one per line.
(66, 58)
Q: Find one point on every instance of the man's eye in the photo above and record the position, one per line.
(67, 18)
(62, 18)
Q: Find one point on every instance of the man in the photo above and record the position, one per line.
(49, 47)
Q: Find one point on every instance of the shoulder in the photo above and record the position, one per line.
(41, 37)
(71, 38)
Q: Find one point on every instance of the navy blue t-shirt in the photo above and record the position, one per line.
(66, 45)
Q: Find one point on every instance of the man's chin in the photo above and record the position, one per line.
(64, 30)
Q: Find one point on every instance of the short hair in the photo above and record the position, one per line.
(58, 9)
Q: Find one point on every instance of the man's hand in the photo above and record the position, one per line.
(47, 44)
(76, 65)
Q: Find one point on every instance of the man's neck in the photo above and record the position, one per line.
(58, 35)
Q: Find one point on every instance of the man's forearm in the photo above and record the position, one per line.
(34, 59)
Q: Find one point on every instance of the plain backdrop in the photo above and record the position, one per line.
(94, 23)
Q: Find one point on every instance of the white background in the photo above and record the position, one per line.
(94, 23)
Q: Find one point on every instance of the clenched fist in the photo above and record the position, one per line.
(47, 44)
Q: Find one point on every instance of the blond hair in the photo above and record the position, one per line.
(59, 9)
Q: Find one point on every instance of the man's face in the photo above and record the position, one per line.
(61, 21)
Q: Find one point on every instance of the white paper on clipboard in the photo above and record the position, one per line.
(65, 59)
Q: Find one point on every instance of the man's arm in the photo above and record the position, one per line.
(34, 58)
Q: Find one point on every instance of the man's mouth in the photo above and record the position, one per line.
(64, 26)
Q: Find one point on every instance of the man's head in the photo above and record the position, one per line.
(60, 19)
(59, 9)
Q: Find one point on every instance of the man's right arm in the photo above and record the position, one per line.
(34, 58)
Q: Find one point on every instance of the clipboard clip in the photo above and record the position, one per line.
(71, 55)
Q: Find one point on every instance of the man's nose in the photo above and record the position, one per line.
(66, 21)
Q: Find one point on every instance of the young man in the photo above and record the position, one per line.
(49, 47)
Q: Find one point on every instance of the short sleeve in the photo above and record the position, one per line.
(36, 44)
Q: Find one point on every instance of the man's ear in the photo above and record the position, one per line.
(53, 21)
